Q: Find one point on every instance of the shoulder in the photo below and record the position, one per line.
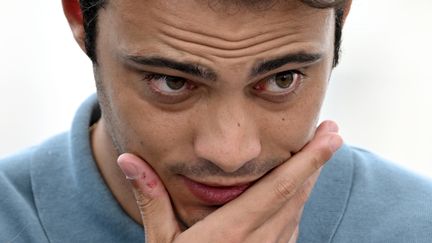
(385, 179)
(15, 168)
(19, 221)
(387, 202)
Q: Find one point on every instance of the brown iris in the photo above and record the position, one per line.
(175, 83)
(284, 80)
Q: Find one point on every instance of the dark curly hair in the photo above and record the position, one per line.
(90, 10)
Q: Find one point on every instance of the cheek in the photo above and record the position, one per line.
(135, 124)
(291, 129)
(152, 133)
(140, 128)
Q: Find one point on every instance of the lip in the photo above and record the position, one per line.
(214, 195)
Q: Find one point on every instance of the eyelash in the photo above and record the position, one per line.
(151, 77)
(294, 72)
(296, 83)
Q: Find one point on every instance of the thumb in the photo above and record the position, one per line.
(159, 221)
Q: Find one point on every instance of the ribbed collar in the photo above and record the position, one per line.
(72, 199)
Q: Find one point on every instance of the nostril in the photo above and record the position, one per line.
(228, 157)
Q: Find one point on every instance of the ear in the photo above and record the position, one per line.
(72, 11)
(347, 8)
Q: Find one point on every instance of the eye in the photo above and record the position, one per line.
(169, 85)
(280, 83)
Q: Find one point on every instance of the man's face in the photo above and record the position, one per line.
(216, 94)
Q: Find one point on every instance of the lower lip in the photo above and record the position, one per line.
(214, 195)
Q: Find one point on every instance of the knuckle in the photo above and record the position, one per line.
(320, 156)
(142, 201)
(285, 188)
(317, 160)
(302, 196)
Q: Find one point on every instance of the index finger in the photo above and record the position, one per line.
(270, 193)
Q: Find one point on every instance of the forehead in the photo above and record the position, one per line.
(237, 20)
(212, 29)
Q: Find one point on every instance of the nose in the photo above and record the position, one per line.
(228, 137)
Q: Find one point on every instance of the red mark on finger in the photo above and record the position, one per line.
(152, 184)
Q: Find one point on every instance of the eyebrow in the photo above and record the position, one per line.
(207, 73)
(189, 68)
(299, 58)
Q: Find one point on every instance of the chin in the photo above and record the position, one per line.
(189, 217)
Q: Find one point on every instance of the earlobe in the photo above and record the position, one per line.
(72, 11)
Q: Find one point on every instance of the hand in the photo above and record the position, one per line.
(269, 211)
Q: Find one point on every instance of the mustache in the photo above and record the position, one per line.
(205, 168)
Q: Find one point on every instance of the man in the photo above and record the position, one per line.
(204, 129)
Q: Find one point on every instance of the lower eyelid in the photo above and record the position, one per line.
(163, 97)
(159, 91)
(295, 84)
(282, 96)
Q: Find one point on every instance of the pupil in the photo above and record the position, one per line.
(175, 83)
(284, 80)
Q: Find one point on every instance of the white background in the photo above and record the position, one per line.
(381, 94)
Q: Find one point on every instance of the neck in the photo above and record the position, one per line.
(106, 157)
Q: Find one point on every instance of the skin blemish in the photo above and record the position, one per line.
(283, 119)
(238, 124)
(152, 184)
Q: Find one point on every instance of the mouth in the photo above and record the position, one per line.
(215, 195)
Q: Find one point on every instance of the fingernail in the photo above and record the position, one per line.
(129, 170)
(334, 143)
